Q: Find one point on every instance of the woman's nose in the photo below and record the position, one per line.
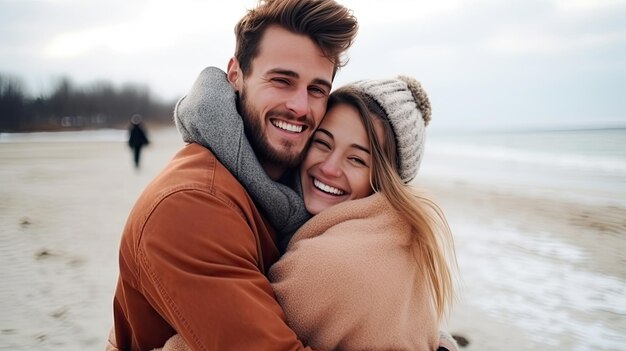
(331, 166)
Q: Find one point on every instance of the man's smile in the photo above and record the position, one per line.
(289, 127)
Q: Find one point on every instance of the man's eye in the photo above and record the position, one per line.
(317, 92)
(280, 81)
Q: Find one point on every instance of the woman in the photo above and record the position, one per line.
(373, 272)
(370, 273)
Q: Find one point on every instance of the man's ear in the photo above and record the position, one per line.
(234, 74)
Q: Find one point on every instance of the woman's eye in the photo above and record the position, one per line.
(321, 143)
(358, 161)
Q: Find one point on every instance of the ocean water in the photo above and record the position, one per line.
(586, 165)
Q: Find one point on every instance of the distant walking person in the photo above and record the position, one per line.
(137, 137)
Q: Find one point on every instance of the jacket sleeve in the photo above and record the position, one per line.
(201, 273)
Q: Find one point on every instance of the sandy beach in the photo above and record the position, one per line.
(535, 271)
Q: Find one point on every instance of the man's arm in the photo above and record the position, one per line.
(199, 268)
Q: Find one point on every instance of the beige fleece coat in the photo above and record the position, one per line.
(349, 281)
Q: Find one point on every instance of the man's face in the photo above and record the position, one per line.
(283, 99)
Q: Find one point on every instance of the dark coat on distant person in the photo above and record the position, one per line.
(137, 137)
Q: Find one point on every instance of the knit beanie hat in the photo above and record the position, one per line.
(408, 110)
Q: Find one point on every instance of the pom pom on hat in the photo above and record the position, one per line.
(408, 110)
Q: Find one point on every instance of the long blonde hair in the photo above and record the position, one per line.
(432, 245)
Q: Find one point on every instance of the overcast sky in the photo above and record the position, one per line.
(484, 63)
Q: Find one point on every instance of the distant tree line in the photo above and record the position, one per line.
(69, 107)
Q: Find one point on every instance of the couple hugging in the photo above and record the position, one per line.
(287, 221)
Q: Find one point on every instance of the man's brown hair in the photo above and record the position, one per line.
(328, 24)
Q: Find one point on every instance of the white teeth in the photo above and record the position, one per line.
(288, 127)
(327, 188)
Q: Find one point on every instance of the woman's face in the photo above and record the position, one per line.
(337, 165)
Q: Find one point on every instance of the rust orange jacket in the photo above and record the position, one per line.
(193, 258)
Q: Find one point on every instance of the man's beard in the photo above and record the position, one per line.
(287, 157)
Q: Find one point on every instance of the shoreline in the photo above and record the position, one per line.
(600, 228)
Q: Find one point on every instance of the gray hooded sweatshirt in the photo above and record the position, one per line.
(208, 116)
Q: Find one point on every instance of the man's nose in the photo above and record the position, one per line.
(298, 103)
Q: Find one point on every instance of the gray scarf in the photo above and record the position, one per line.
(208, 116)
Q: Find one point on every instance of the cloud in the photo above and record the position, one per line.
(393, 12)
(479, 59)
(566, 27)
(534, 41)
(584, 6)
(158, 25)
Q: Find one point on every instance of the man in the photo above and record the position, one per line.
(195, 248)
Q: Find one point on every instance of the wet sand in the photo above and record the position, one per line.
(535, 271)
